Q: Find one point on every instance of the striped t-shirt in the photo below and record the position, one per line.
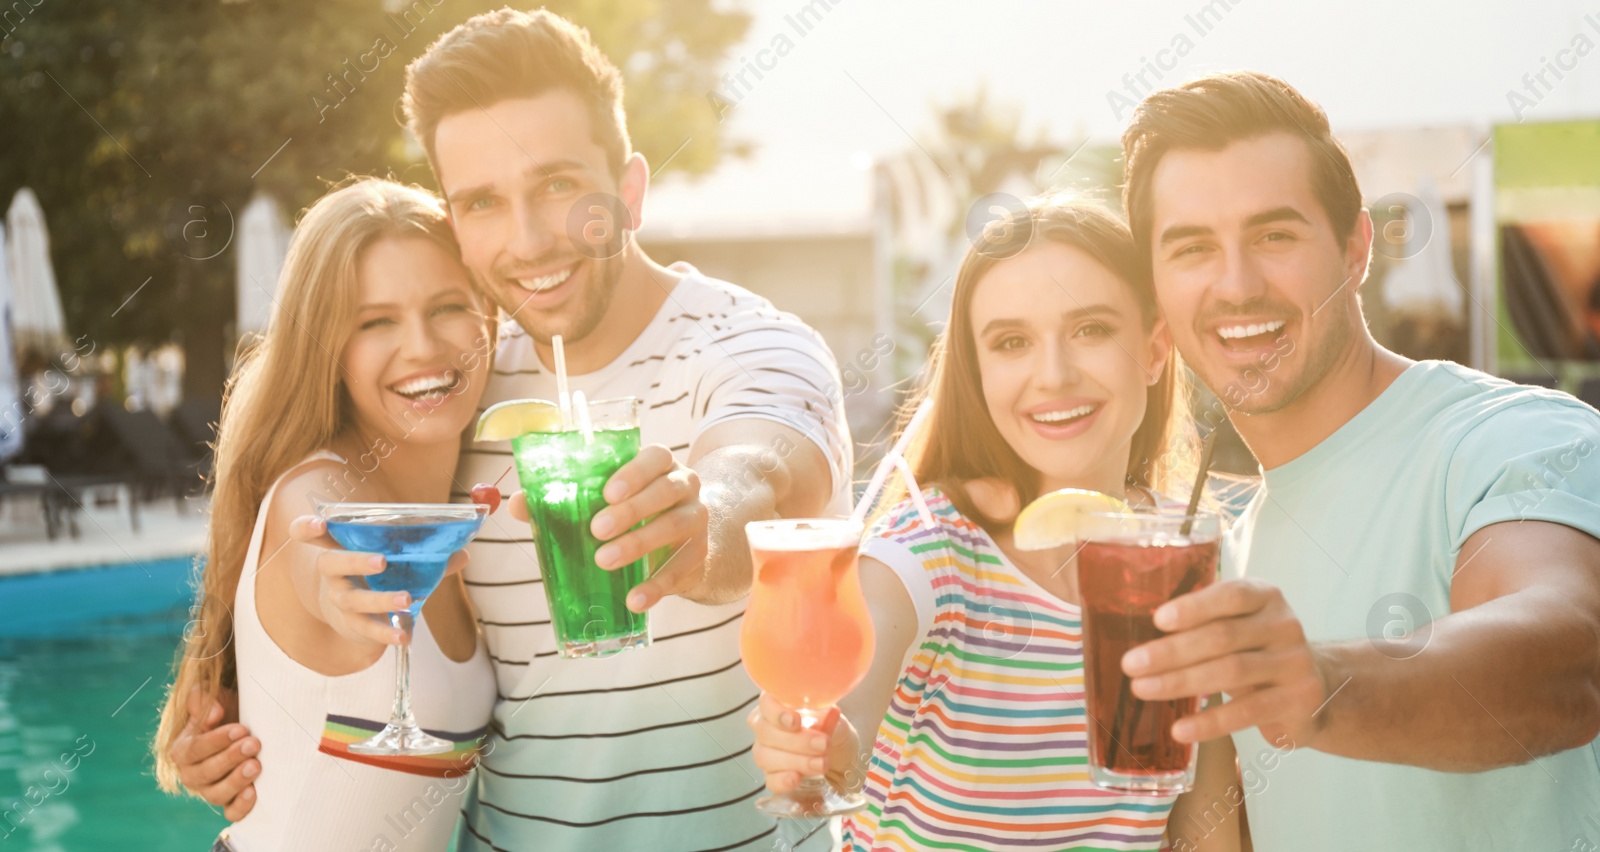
(984, 745)
(646, 749)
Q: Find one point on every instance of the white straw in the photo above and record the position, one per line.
(563, 399)
(915, 491)
(580, 407)
(870, 496)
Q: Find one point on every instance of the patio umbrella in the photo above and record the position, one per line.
(36, 305)
(263, 242)
(154, 379)
(11, 410)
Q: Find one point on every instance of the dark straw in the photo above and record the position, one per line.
(1126, 693)
(1207, 449)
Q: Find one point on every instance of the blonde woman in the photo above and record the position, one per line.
(372, 366)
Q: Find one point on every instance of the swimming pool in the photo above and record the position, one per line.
(84, 658)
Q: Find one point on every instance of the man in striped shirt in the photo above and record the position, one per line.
(521, 117)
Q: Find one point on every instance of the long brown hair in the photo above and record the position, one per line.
(954, 447)
(284, 402)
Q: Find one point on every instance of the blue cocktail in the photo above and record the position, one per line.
(415, 550)
(416, 540)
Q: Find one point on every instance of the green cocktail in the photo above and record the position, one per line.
(564, 474)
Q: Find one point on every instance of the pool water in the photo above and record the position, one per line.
(85, 656)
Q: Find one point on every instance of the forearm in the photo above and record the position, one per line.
(864, 709)
(894, 625)
(305, 581)
(1208, 817)
(1496, 685)
(737, 486)
(741, 483)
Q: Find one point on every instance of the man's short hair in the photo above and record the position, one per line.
(1214, 111)
(508, 54)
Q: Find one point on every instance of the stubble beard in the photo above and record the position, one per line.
(591, 308)
(1297, 373)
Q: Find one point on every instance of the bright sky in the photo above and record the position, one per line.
(870, 71)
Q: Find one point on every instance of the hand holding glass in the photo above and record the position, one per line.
(807, 636)
(416, 540)
(1124, 575)
(564, 472)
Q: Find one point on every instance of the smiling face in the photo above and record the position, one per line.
(1259, 290)
(540, 217)
(414, 363)
(1066, 362)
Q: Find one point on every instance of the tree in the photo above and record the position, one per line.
(145, 129)
(978, 152)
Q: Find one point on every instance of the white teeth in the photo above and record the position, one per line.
(432, 386)
(1234, 332)
(1061, 416)
(545, 282)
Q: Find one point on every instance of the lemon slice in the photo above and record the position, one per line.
(1065, 516)
(515, 418)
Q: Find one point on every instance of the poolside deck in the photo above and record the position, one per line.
(106, 536)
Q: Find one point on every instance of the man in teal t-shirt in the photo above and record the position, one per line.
(1411, 650)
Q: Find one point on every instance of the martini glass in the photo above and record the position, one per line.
(416, 540)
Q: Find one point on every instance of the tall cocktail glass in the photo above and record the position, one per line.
(807, 636)
(563, 472)
(1129, 565)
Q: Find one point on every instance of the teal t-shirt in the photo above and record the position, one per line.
(1361, 534)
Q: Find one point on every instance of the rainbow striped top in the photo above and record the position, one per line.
(984, 745)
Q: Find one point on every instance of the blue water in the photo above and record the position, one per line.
(415, 553)
(85, 656)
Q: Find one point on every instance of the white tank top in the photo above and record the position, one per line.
(312, 793)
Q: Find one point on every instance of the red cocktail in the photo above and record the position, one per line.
(1123, 576)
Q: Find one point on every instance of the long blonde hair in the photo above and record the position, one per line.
(959, 442)
(284, 402)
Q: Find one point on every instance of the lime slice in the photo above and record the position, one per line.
(1065, 516)
(515, 418)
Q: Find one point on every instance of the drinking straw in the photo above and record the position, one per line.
(1207, 448)
(580, 407)
(915, 492)
(563, 399)
(895, 459)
